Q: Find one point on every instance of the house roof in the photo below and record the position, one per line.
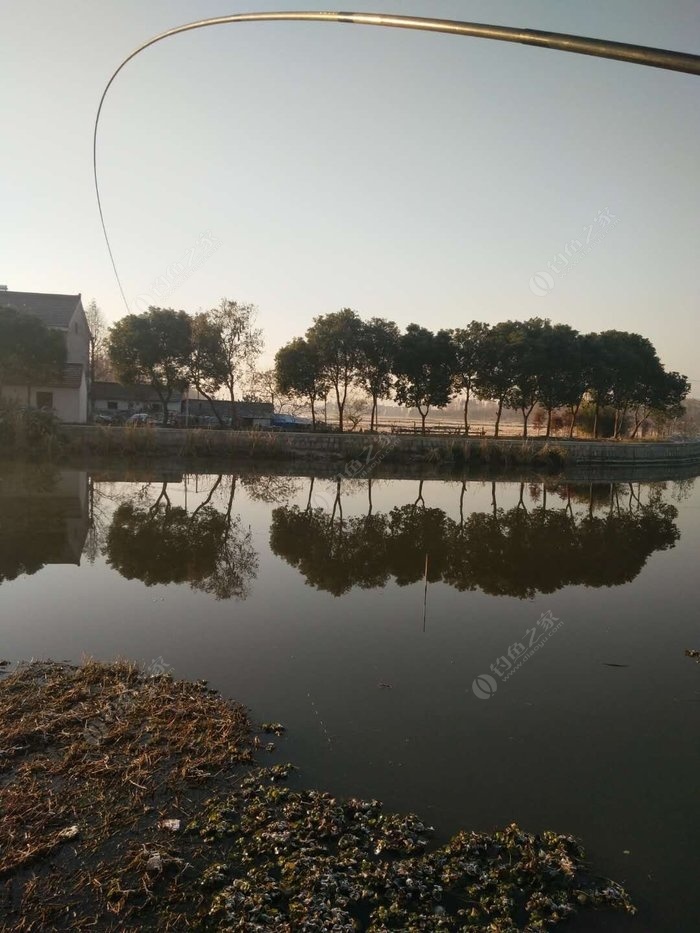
(72, 376)
(241, 409)
(71, 379)
(116, 392)
(253, 409)
(53, 310)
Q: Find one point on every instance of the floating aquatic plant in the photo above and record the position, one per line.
(135, 803)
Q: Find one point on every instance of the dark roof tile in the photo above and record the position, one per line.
(53, 310)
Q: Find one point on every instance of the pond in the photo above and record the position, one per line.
(478, 652)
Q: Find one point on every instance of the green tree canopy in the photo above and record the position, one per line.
(207, 365)
(299, 373)
(335, 338)
(468, 344)
(241, 342)
(154, 348)
(379, 343)
(424, 370)
(496, 378)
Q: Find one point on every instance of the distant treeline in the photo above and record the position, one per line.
(521, 365)
(614, 378)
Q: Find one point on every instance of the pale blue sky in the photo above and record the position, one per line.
(422, 178)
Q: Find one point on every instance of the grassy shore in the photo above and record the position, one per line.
(134, 802)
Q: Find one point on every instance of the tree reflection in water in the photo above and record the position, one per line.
(161, 543)
(503, 552)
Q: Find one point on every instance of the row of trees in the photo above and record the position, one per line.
(521, 365)
(525, 366)
(171, 350)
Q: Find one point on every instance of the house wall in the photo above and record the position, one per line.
(122, 407)
(125, 407)
(78, 339)
(83, 401)
(68, 404)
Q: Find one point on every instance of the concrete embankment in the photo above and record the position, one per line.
(554, 453)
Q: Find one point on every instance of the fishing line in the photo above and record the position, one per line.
(601, 48)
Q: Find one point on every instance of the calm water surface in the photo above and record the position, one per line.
(314, 610)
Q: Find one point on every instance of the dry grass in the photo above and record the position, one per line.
(91, 759)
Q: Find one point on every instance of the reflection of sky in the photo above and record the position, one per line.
(569, 743)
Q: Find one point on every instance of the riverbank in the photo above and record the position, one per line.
(357, 454)
(142, 802)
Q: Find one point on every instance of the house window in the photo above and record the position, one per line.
(44, 400)
(112, 406)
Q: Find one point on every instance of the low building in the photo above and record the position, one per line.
(67, 396)
(240, 414)
(113, 398)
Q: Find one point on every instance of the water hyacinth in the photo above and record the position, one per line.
(319, 863)
(134, 802)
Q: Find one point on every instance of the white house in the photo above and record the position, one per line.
(112, 398)
(68, 398)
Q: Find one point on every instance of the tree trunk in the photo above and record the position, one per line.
(420, 494)
(209, 497)
(498, 417)
(91, 407)
(595, 421)
(164, 400)
(621, 425)
(638, 422)
(466, 413)
(574, 416)
(211, 405)
(525, 419)
(340, 409)
(521, 503)
(422, 418)
(313, 414)
(231, 396)
(548, 432)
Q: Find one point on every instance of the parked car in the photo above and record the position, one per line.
(141, 419)
(284, 422)
(104, 417)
